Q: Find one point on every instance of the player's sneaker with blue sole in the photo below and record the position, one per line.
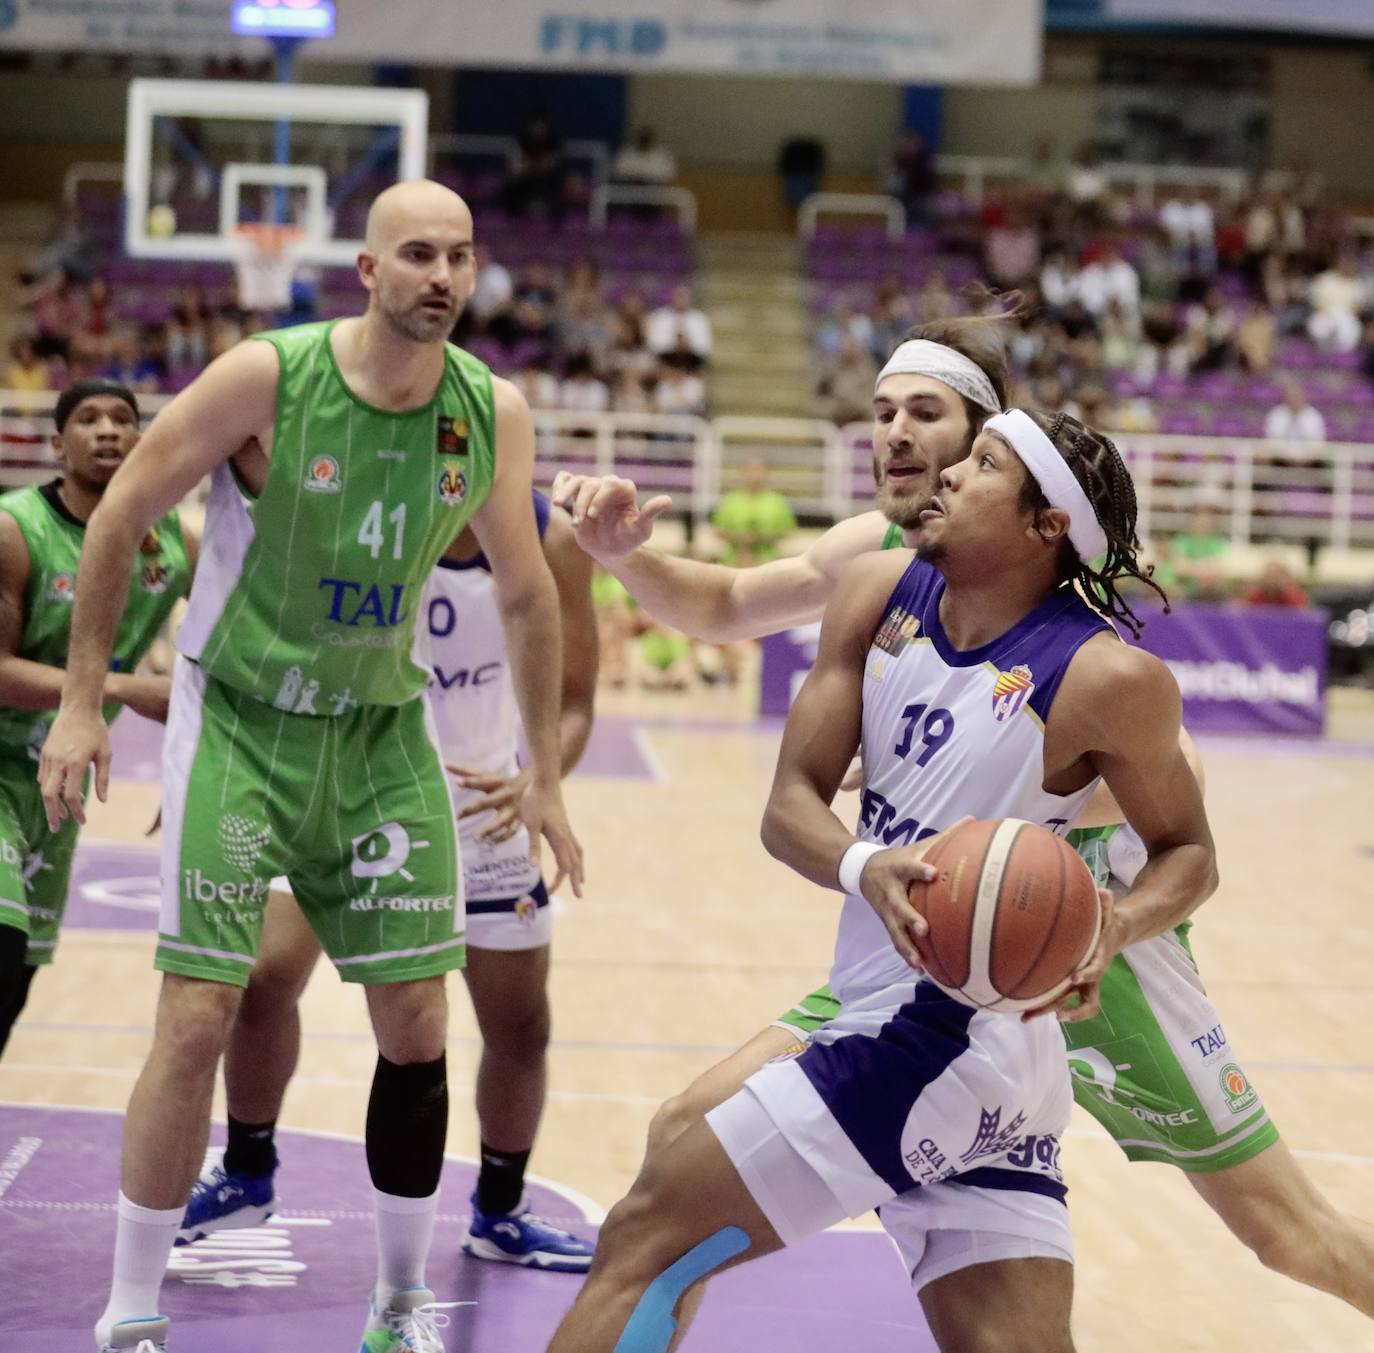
(221, 1201)
(138, 1336)
(521, 1237)
(409, 1323)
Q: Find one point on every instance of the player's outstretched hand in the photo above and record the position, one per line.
(503, 796)
(1083, 999)
(74, 741)
(886, 885)
(607, 520)
(545, 816)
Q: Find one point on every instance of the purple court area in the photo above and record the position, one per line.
(298, 1284)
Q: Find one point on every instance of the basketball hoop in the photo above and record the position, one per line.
(266, 256)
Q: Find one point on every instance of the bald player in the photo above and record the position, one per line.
(345, 457)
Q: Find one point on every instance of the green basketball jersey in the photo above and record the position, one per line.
(162, 573)
(892, 537)
(307, 596)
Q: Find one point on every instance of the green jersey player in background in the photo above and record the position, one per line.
(345, 458)
(41, 531)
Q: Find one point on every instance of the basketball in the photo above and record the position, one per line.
(1012, 913)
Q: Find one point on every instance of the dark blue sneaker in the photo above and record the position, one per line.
(225, 1202)
(520, 1237)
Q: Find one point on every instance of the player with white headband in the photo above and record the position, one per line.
(944, 1118)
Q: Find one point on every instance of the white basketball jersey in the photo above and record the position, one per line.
(473, 698)
(948, 734)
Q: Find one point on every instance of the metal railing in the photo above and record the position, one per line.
(680, 200)
(851, 204)
(1295, 492)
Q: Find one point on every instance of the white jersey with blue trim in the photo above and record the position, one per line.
(948, 734)
(473, 698)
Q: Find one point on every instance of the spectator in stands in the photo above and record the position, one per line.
(584, 325)
(537, 283)
(96, 319)
(839, 328)
(532, 331)
(538, 178)
(1199, 556)
(26, 370)
(845, 386)
(188, 329)
(1058, 280)
(583, 391)
(1255, 337)
(679, 333)
(1086, 187)
(537, 384)
(1210, 333)
(934, 300)
(1109, 277)
(753, 518)
(1295, 420)
(1120, 338)
(57, 313)
(911, 179)
(801, 165)
(679, 390)
(1191, 227)
(644, 161)
(1011, 248)
(1275, 586)
(1336, 298)
(492, 292)
(630, 394)
(138, 359)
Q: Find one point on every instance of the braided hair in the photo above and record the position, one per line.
(1100, 470)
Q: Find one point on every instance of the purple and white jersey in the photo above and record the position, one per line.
(948, 734)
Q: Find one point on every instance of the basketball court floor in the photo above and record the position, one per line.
(689, 939)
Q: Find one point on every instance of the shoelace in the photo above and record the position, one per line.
(425, 1323)
(534, 1219)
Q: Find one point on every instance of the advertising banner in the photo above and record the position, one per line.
(1241, 670)
(908, 41)
(1320, 16)
(1245, 670)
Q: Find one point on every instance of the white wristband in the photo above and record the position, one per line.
(852, 865)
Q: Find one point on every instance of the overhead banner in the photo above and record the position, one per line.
(1316, 16)
(982, 42)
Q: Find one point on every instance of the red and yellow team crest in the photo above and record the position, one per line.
(1011, 691)
(62, 587)
(453, 483)
(898, 629)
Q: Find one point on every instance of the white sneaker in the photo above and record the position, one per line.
(139, 1336)
(410, 1323)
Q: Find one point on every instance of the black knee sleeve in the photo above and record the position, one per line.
(407, 1121)
(16, 976)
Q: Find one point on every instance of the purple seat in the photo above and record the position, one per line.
(1167, 385)
(1263, 390)
(1180, 422)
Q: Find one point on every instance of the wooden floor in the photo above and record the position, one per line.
(690, 939)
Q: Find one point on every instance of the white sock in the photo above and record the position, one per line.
(405, 1227)
(143, 1243)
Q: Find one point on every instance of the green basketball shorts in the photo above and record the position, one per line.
(35, 863)
(354, 809)
(1155, 1068)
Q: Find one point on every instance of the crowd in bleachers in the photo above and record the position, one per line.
(1243, 318)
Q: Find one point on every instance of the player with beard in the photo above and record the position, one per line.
(345, 458)
(41, 531)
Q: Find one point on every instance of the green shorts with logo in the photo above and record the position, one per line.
(354, 809)
(35, 863)
(1155, 1068)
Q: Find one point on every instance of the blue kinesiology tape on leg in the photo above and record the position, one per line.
(651, 1326)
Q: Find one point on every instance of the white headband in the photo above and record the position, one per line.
(1057, 482)
(921, 357)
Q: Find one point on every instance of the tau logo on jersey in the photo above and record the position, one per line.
(62, 587)
(453, 483)
(898, 629)
(451, 436)
(1012, 691)
(322, 475)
